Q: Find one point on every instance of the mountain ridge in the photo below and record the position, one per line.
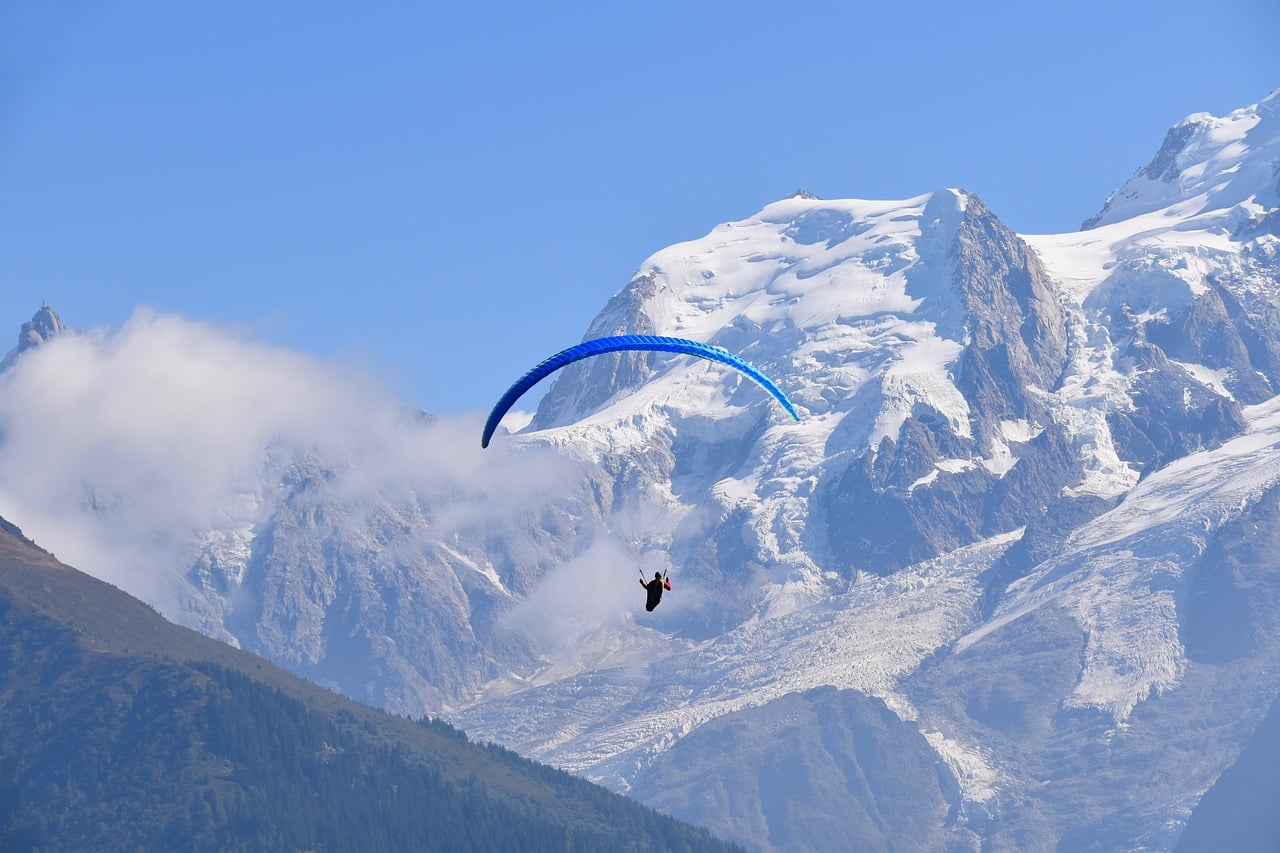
(88, 669)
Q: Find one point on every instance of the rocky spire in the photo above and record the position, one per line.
(43, 327)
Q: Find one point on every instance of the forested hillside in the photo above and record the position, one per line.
(121, 731)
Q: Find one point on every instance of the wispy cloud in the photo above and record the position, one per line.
(118, 448)
(588, 593)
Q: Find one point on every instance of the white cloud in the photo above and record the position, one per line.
(593, 591)
(118, 448)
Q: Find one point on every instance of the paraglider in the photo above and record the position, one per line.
(654, 589)
(620, 343)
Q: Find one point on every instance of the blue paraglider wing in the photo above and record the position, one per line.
(620, 343)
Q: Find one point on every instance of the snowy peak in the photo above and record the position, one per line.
(1207, 164)
(787, 288)
(919, 336)
(866, 312)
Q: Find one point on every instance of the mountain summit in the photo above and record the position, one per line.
(43, 327)
(1207, 164)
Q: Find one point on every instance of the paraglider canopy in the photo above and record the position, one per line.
(620, 343)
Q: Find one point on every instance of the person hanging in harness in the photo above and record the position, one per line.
(654, 588)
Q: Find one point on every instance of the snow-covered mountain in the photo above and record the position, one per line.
(1007, 584)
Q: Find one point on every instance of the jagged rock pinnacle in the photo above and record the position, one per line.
(44, 326)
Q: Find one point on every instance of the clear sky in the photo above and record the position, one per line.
(446, 193)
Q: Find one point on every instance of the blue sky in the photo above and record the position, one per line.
(444, 195)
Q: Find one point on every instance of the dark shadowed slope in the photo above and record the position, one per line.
(1239, 812)
(119, 730)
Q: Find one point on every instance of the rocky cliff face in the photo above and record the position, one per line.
(924, 484)
(350, 591)
(802, 759)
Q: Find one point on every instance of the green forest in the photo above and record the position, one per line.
(152, 746)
